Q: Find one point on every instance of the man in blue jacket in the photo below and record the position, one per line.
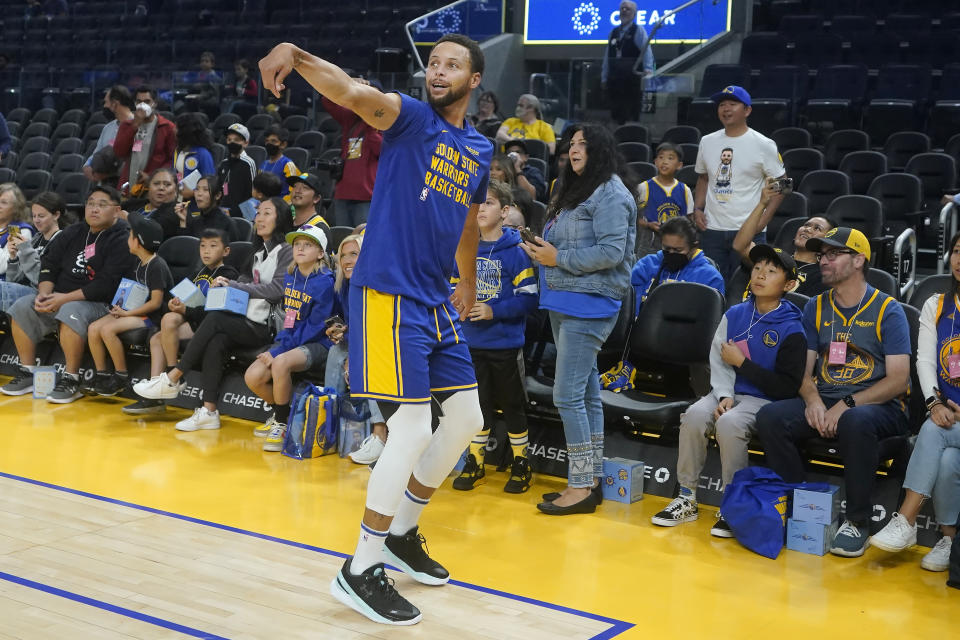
(506, 293)
(679, 260)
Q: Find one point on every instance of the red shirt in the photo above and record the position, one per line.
(360, 148)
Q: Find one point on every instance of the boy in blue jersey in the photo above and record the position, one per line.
(506, 293)
(857, 374)
(407, 348)
(661, 198)
(758, 355)
(275, 142)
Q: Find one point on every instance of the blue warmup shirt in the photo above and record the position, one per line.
(574, 303)
(429, 175)
(507, 282)
(698, 269)
(765, 333)
(313, 299)
(878, 329)
(663, 204)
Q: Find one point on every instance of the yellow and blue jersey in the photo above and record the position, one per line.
(659, 203)
(430, 173)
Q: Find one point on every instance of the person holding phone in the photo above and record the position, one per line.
(584, 257)
(146, 142)
(14, 214)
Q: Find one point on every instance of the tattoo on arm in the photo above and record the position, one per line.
(297, 59)
(378, 113)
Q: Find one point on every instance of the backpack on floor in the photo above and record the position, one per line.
(314, 423)
(953, 580)
(756, 505)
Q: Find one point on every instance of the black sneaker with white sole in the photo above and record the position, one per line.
(21, 385)
(720, 528)
(110, 385)
(681, 509)
(409, 553)
(66, 391)
(145, 407)
(89, 387)
(372, 594)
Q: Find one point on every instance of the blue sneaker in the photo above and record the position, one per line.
(850, 541)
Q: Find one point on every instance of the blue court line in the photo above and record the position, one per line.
(106, 606)
(617, 626)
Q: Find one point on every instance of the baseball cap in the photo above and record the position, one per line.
(308, 179)
(148, 232)
(732, 92)
(241, 130)
(762, 252)
(309, 231)
(843, 237)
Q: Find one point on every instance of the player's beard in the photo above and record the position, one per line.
(453, 95)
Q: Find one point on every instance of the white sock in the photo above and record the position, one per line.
(369, 550)
(408, 514)
(29, 367)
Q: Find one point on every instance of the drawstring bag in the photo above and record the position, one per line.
(314, 423)
(756, 505)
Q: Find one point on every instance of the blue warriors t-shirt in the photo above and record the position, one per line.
(429, 175)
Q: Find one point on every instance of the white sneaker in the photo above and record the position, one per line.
(158, 388)
(938, 558)
(369, 451)
(262, 430)
(275, 438)
(201, 419)
(681, 509)
(896, 536)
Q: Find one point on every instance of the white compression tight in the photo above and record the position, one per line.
(412, 449)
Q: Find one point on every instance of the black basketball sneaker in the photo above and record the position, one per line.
(372, 594)
(409, 553)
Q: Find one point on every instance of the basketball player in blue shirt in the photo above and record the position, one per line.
(409, 351)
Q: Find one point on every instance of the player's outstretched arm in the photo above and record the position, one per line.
(379, 110)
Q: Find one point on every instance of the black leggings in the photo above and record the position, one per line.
(217, 334)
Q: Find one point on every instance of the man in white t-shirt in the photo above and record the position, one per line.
(732, 166)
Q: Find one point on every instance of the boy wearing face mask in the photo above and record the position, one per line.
(680, 260)
(237, 171)
(275, 141)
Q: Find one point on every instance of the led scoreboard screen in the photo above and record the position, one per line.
(590, 21)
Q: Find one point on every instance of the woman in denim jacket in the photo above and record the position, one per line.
(585, 256)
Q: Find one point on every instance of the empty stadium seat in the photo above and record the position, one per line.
(690, 152)
(337, 234)
(761, 48)
(73, 189)
(36, 144)
(643, 170)
(258, 153)
(63, 131)
(902, 146)
(837, 95)
(840, 143)
(38, 160)
(240, 253)
(929, 286)
(788, 138)
(821, 187)
(901, 91)
(900, 195)
(67, 145)
(64, 165)
(300, 157)
(800, 162)
(631, 133)
(688, 175)
(240, 229)
(859, 212)
(295, 124)
(634, 151)
(34, 181)
(181, 253)
(863, 167)
(681, 134)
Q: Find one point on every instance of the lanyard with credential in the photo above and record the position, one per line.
(838, 349)
(953, 359)
(290, 315)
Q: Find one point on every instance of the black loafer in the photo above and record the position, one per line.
(597, 492)
(587, 505)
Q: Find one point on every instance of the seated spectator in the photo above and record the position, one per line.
(514, 218)
(661, 198)
(237, 171)
(857, 374)
(503, 169)
(487, 118)
(193, 150)
(529, 177)
(809, 282)
(181, 321)
(275, 141)
(244, 87)
(205, 86)
(308, 300)
(307, 201)
(335, 375)
(506, 294)
(360, 153)
(203, 212)
(679, 260)
(103, 335)
(117, 107)
(934, 468)
(759, 354)
(14, 213)
(79, 275)
(161, 206)
(265, 186)
(527, 124)
(560, 160)
(23, 255)
(145, 143)
(222, 331)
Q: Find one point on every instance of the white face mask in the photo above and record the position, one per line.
(147, 109)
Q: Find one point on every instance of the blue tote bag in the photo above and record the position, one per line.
(756, 505)
(314, 423)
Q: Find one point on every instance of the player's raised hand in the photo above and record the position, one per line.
(276, 66)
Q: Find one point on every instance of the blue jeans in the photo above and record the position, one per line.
(335, 378)
(350, 213)
(934, 469)
(576, 392)
(718, 245)
(10, 292)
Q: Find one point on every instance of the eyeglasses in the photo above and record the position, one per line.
(833, 254)
(100, 204)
